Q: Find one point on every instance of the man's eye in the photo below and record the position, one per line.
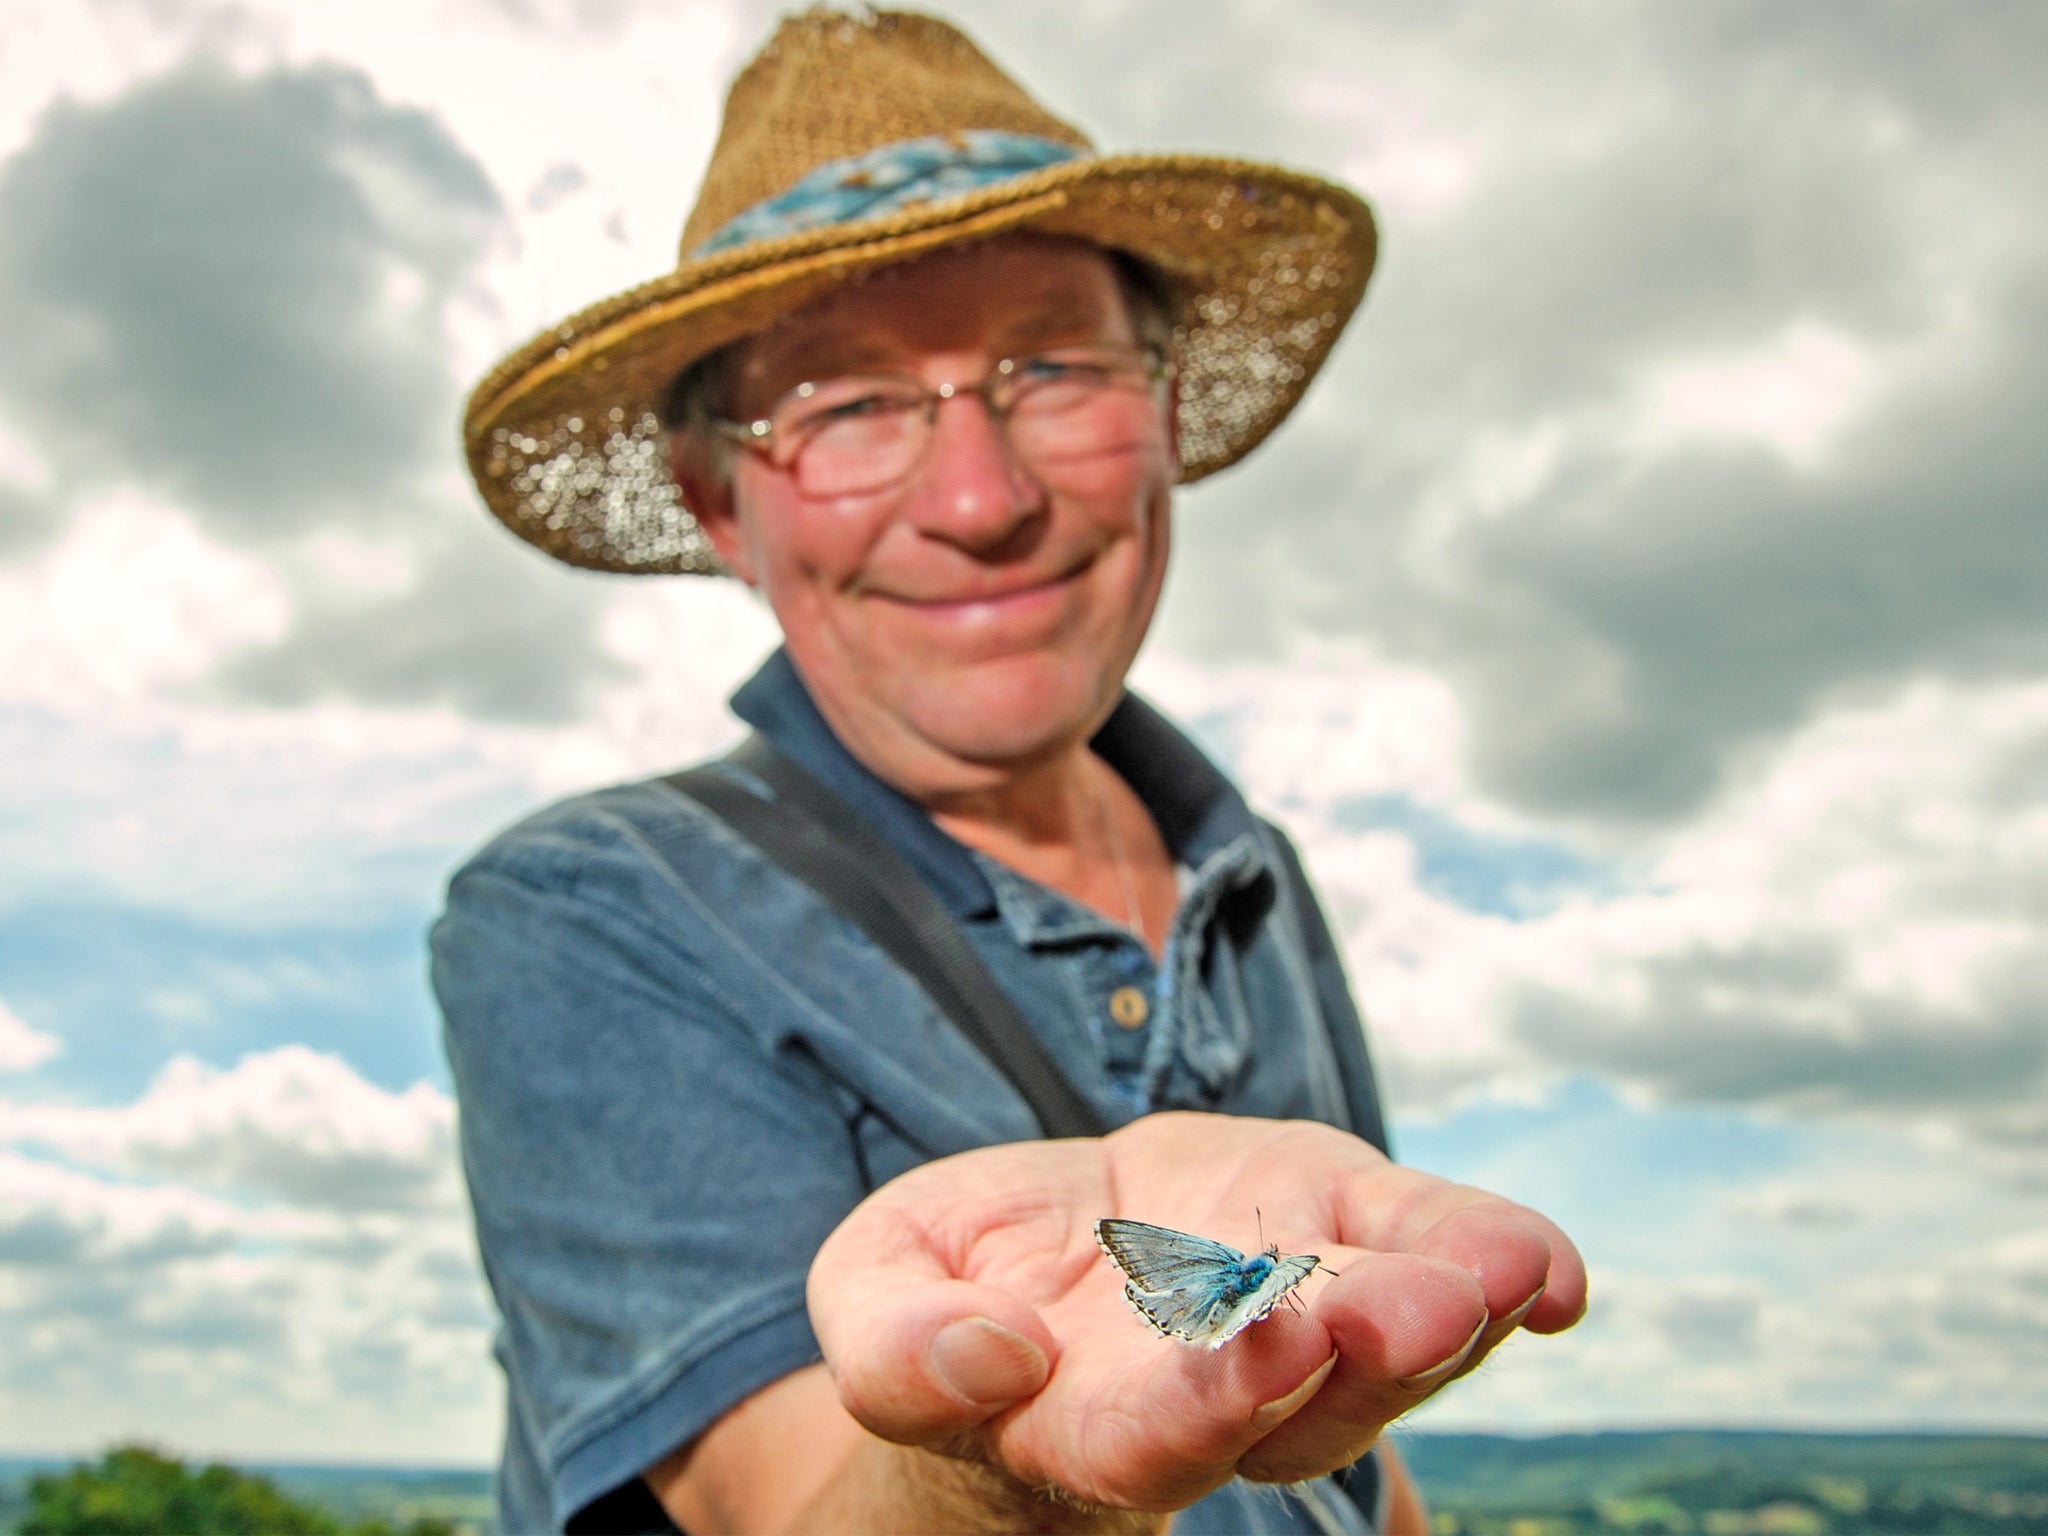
(1081, 373)
(874, 405)
(859, 405)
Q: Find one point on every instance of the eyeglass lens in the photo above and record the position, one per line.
(861, 434)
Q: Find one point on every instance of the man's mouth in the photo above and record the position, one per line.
(994, 600)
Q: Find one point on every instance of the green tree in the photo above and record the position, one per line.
(136, 1491)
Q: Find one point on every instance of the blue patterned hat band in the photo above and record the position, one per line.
(891, 177)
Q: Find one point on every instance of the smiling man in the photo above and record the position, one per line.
(768, 1207)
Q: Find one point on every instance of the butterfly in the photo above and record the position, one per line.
(1192, 1288)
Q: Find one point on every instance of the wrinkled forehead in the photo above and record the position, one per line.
(995, 298)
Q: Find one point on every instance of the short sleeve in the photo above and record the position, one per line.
(650, 1175)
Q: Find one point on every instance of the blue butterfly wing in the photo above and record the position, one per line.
(1230, 1320)
(1158, 1259)
(1183, 1314)
(1188, 1286)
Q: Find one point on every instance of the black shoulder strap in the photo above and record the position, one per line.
(820, 839)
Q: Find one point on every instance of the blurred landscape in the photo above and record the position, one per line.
(1711, 1482)
(1731, 1483)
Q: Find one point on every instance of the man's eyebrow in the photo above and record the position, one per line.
(1071, 321)
(1062, 319)
(848, 354)
(833, 357)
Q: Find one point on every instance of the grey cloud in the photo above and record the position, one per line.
(112, 1314)
(342, 1180)
(229, 288)
(26, 522)
(253, 1323)
(40, 1238)
(1737, 1027)
(1992, 1309)
(99, 1319)
(490, 629)
(1718, 1327)
(1813, 1213)
(1628, 632)
(1967, 71)
(49, 1238)
(1728, 599)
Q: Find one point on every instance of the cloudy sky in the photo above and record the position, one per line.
(1644, 627)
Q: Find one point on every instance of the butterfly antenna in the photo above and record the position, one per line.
(1260, 1217)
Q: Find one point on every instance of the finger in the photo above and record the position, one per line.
(1173, 1427)
(918, 1360)
(1403, 1324)
(918, 1356)
(1400, 1210)
(1508, 1255)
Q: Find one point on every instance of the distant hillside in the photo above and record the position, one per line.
(395, 1496)
(1679, 1483)
(1732, 1483)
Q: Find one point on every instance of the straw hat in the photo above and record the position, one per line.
(855, 141)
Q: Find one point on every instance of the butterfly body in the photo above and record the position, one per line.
(1195, 1288)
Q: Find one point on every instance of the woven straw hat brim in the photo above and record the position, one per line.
(1265, 266)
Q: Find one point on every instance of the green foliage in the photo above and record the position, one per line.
(1723, 1483)
(136, 1491)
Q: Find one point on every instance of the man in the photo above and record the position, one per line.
(929, 371)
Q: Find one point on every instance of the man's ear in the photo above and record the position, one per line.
(706, 488)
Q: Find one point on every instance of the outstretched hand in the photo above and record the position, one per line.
(965, 1307)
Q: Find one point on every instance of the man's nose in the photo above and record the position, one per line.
(974, 491)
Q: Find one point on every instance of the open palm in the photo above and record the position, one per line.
(966, 1307)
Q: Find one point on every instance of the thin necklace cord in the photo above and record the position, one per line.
(1134, 915)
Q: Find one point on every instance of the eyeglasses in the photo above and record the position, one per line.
(868, 432)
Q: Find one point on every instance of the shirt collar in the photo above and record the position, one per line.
(1195, 807)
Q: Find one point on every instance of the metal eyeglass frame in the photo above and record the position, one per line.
(759, 434)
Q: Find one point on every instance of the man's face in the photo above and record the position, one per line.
(977, 617)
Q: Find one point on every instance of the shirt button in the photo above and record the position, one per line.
(1127, 1006)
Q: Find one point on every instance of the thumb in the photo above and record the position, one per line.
(918, 1360)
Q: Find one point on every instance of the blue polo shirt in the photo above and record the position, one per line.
(679, 1069)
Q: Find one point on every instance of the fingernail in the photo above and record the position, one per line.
(1514, 1318)
(1424, 1381)
(1271, 1415)
(984, 1362)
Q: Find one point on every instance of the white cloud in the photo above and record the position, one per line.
(22, 1048)
(160, 1313)
(131, 600)
(1747, 1310)
(1861, 919)
(1795, 394)
(334, 809)
(51, 1214)
(289, 1124)
(1854, 930)
(266, 1261)
(1332, 722)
